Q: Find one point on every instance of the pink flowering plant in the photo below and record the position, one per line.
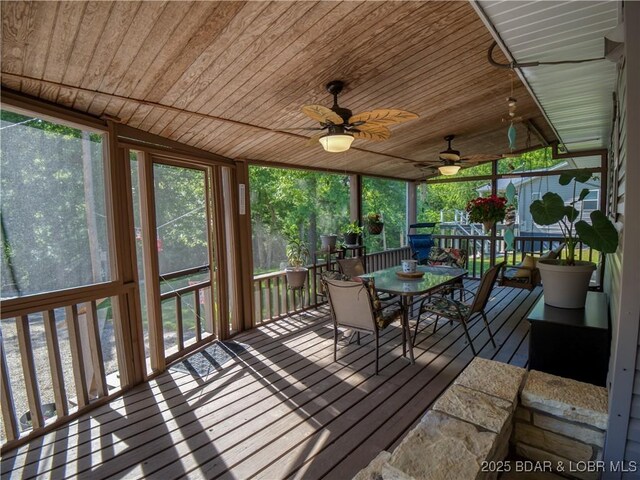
(487, 209)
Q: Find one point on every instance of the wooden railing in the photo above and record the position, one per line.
(54, 349)
(479, 249)
(274, 299)
(201, 292)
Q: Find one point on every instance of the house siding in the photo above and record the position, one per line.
(622, 277)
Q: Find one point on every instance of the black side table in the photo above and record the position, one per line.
(571, 343)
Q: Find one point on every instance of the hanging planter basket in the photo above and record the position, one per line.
(488, 225)
(375, 228)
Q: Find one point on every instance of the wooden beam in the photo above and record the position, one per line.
(139, 139)
(29, 370)
(55, 364)
(512, 175)
(30, 106)
(264, 163)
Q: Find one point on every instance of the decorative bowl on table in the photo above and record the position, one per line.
(410, 275)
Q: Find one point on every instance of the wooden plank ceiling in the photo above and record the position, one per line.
(233, 73)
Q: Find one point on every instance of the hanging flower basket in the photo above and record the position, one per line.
(374, 223)
(487, 210)
(488, 225)
(375, 228)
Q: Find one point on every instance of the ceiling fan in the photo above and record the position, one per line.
(450, 159)
(339, 127)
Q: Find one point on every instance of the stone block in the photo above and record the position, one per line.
(559, 464)
(379, 469)
(523, 414)
(572, 430)
(443, 447)
(486, 411)
(566, 398)
(493, 378)
(551, 442)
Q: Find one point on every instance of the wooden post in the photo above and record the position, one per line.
(355, 192)
(494, 191)
(53, 349)
(98, 380)
(29, 370)
(222, 260)
(127, 316)
(244, 283)
(77, 359)
(8, 407)
(412, 208)
(90, 201)
(150, 261)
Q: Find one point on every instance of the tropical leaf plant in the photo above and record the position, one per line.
(601, 235)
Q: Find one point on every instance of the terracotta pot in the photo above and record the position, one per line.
(296, 276)
(565, 286)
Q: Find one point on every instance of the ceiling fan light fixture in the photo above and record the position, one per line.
(449, 155)
(449, 168)
(336, 142)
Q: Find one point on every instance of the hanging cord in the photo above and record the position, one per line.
(514, 65)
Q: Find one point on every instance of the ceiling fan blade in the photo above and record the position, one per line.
(297, 129)
(313, 141)
(378, 135)
(371, 127)
(383, 116)
(322, 114)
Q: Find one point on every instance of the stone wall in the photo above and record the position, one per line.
(562, 421)
(484, 415)
(470, 423)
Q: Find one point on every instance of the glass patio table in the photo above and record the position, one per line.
(387, 281)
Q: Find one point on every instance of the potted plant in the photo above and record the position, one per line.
(297, 256)
(487, 210)
(352, 232)
(328, 242)
(565, 282)
(375, 223)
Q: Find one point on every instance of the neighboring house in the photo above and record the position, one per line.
(533, 188)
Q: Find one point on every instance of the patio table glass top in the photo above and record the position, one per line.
(387, 281)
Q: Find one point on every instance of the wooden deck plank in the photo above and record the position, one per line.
(280, 408)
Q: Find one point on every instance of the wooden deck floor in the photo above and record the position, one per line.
(278, 408)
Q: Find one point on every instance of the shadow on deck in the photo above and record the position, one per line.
(271, 403)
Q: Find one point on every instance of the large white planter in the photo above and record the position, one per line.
(296, 276)
(565, 286)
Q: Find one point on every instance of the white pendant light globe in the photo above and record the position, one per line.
(336, 142)
(449, 168)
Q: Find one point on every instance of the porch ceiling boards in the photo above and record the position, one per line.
(239, 71)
